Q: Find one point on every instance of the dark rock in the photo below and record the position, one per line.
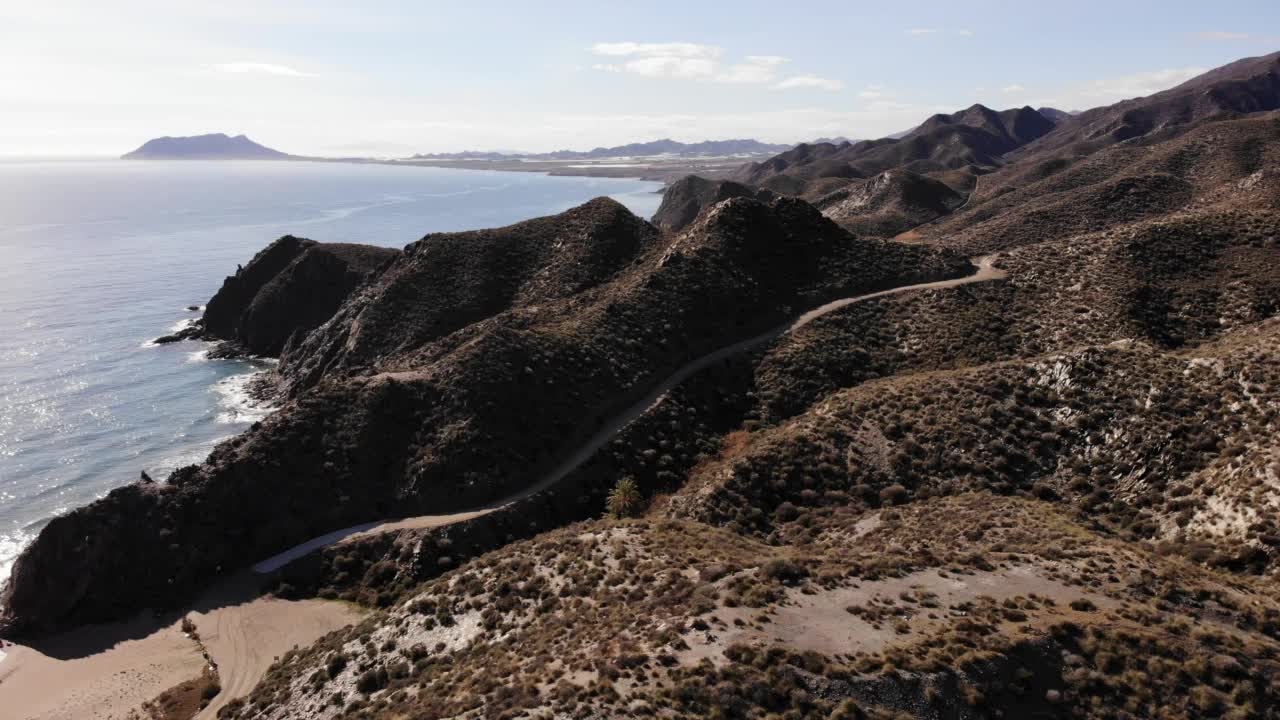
(287, 289)
(690, 195)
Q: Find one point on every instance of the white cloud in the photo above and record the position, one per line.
(809, 81)
(870, 94)
(664, 66)
(1105, 91)
(1010, 89)
(756, 69)
(958, 32)
(1222, 35)
(675, 49)
(693, 61)
(770, 60)
(261, 69)
(1109, 90)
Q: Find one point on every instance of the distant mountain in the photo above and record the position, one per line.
(706, 148)
(954, 146)
(837, 140)
(1245, 86)
(1056, 115)
(215, 146)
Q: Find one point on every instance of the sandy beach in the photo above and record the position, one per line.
(100, 671)
(109, 671)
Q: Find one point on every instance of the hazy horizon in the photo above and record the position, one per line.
(395, 78)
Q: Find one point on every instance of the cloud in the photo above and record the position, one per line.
(261, 69)
(1105, 91)
(755, 69)
(957, 32)
(675, 49)
(694, 61)
(1222, 35)
(809, 81)
(1010, 89)
(1109, 90)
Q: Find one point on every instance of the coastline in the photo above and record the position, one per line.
(663, 169)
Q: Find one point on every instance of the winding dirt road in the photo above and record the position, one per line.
(986, 272)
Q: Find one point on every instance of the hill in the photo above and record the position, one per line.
(215, 146)
(418, 393)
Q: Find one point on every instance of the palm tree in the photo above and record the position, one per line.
(624, 499)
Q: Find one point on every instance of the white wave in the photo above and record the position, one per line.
(198, 356)
(11, 545)
(181, 325)
(237, 403)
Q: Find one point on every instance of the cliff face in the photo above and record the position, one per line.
(290, 287)
(398, 410)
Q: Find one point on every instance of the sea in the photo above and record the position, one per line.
(99, 257)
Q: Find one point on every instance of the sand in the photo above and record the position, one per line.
(100, 671)
(108, 671)
(245, 639)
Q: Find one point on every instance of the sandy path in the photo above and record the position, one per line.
(100, 671)
(986, 271)
(245, 639)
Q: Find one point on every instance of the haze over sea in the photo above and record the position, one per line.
(99, 257)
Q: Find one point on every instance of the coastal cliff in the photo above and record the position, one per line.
(458, 375)
(287, 289)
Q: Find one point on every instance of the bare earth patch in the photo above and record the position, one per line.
(823, 621)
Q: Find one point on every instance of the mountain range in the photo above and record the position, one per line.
(706, 148)
(977, 422)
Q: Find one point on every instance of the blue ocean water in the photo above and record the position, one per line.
(99, 257)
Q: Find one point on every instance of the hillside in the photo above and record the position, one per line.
(215, 146)
(752, 461)
(971, 140)
(418, 394)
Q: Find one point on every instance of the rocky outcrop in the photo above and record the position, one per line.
(690, 195)
(890, 203)
(463, 373)
(290, 287)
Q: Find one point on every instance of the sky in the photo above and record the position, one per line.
(392, 78)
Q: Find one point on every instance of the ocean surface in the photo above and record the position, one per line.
(99, 257)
